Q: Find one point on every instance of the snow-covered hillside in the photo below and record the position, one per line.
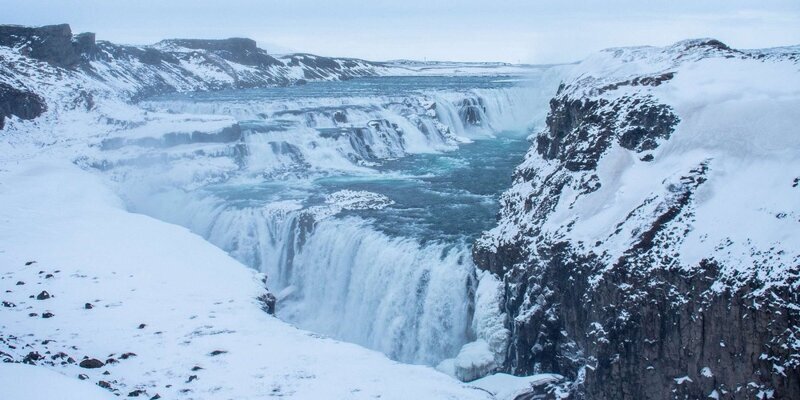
(650, 237)
(164, 312)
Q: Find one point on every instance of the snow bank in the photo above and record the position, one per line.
(508, 387)
(27, 382)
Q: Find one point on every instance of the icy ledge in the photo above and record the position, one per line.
(165, 311)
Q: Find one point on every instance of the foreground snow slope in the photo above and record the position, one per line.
(180, 318)
(20, 381)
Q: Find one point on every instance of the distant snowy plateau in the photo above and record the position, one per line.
(647, 248)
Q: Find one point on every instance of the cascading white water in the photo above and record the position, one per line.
(391, 294)
(339, 275)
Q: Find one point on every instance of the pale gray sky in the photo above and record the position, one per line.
(536, 31)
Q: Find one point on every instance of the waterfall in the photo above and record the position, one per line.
(340, 276)
(337, 274)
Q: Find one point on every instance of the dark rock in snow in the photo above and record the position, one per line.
(32, 358)
(43, 295)
(52, 43)
(191, 378)
(48, 315)
(104, 385)
(91, 363)
(267, 301)
(137, 393)
(142, 326)
(20, 103)
(83, 377)
(217, 352)
(88, 306)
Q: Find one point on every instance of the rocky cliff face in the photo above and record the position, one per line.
(648, 247)
(53, 43)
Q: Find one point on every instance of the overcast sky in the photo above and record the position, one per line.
(535, 31)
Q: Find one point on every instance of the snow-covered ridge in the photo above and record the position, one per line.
(663, 193)
(179, 64)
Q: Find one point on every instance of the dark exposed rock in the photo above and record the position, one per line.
(191, 378)
(137, 393)
(128, 355)
(20, 103)
(239, 50)
(579, 131)
(91, 363)
(48, 315)
(52, 43)
(27, 263)
(472, 111)
(20, 283)
(88, 306)
(142, 326)
(156, 397)
(8, 304)
(83, 377)
(104, 385)
(32, 358)
(217, 352)
(43, 295)
(267, 301)
(340, 117)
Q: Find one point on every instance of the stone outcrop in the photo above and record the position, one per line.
(52, 43)
(19, 103)
(239, 50)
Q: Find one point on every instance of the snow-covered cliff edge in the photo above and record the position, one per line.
(649, 245)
